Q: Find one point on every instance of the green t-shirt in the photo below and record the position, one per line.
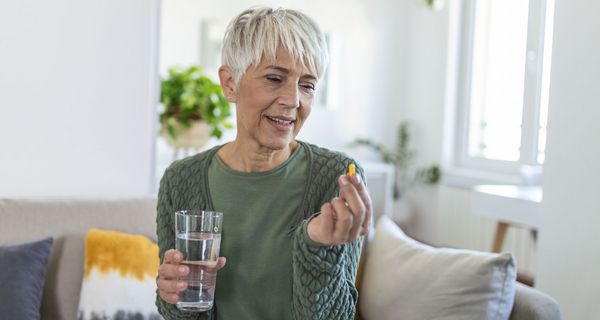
(258, 214)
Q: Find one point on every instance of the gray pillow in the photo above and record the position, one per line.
(405, 279)
(22, 273)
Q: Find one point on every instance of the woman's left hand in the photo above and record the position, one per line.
(344, 218)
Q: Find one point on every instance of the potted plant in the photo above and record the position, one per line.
(402, 159)
(195, 108)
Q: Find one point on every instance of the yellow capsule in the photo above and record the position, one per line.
(351, 169)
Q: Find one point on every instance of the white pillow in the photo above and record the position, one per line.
(405, 279)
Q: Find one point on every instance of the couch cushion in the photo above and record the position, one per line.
(67, 221)
(22, 274)
(119, 277)
(405, 279)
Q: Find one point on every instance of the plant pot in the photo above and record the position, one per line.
(196, 136)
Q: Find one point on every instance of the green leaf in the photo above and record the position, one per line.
(187, 95)
(171, 123)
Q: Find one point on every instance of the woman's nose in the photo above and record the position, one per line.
(290, 95)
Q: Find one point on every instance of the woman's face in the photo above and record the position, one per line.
(273, 100)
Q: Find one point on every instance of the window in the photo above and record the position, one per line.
(501, 76)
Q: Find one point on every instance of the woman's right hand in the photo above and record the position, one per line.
(345, 218)
(168, 286)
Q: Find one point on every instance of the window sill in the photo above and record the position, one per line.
(464, 178)
(513, 204)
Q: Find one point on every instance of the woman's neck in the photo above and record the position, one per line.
(246, 157)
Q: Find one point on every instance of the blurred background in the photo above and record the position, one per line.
(476, 121)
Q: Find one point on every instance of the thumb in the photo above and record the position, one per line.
(328, 215)
(321, 228)
(221, 262)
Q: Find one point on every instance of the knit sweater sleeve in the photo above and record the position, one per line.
(166, 240)
(324, 275)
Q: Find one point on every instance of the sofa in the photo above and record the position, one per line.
(67, 221)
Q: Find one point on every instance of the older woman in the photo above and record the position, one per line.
(293, 219)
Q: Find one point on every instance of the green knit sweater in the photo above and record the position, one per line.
(323, 276)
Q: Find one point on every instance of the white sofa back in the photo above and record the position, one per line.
(67, 222)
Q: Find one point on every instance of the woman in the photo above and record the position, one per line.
(293, 219)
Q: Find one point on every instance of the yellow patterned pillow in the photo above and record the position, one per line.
(119, 280)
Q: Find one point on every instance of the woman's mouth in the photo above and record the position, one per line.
(281, 123)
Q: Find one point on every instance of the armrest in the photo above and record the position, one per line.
(532, 304)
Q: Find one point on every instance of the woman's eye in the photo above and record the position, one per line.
(274, 79)
(308, 87)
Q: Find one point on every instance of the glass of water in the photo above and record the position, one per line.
(198, 238)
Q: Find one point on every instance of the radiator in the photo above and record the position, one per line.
(460, 229)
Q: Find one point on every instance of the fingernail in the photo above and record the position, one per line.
(178, 256)
(344, 180)
(356, 178)
(181, 285)
(182, 269)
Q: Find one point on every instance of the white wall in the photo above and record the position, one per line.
(568, 245)
(77, 97)
(409, 72)
(425, 88)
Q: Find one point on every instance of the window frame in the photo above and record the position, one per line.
(457, 161)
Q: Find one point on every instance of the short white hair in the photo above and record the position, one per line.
(259, 31)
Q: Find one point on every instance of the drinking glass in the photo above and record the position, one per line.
(198, 238)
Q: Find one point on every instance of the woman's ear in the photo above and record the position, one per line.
(228, 83)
